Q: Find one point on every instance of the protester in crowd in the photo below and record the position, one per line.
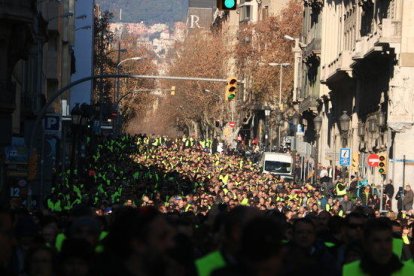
(408, 199)
(305, 253)
(378, 257)
(151, 205)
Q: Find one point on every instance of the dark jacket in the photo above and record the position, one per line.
(408, 200)
(347, 206)
(317, 262)
(389, 190)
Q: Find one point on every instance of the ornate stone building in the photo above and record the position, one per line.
(366, 70)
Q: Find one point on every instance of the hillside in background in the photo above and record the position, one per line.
(149, 11)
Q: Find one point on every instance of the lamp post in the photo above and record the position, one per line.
(76, 121)
(281, 65)
(267, 115)
(297, 51)
(279, 122)
(317, 122)
(101, 87)
(118, 120)
(344, 122)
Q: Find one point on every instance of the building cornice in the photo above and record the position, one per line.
(317, 5)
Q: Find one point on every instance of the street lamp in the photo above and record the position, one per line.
(317, 123)
(267, 115)
(76, 122)
(381, 119)
(344, 122)
(117, 85)
(372, 124)
(361, 129)
(297, 51)
(285, 64)
(279, 122)
(295, 119)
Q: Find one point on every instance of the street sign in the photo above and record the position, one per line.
(373, 160)
(51, 124)
(345, 157)
(232, 124)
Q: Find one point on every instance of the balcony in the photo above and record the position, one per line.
(391, 31)
(367, 45)
(342, 64)
(312, 49)
(314, 3)
(309, 103)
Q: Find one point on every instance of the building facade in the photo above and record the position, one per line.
(363, 72)
(257, 127)
(36, 60)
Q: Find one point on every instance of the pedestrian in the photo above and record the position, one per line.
(400, 197)
(408, 198)
(346, 204)
(378, 258)
(389, 189)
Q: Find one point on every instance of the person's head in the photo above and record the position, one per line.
(234, 222)
(139, 231)
(378, 240)
(261, 244)
(49, 231)
(76, 257)
(41, 262)
(86, 228)
(354, 226)
(304, 233)
(407, 187)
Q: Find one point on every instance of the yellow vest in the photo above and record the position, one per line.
(397, 247)
(206, 265)
(244, 202)
(340, 192)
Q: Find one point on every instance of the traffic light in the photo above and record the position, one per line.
(227, 5)
(172, 90)
(382, 166)
(231, 89)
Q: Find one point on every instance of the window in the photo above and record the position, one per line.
(277, 167)
(245, 13)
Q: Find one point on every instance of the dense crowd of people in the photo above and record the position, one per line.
(141, 205)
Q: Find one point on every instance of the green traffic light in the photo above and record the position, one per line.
(229, 4)
(381, 170)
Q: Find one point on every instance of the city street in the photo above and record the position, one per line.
(206, 137)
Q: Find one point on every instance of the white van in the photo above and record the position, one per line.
(276, 163)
